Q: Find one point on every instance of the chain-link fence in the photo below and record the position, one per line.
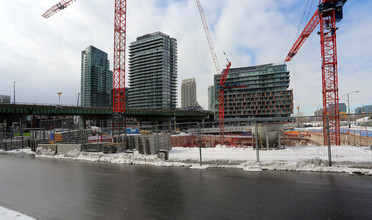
(254, 139)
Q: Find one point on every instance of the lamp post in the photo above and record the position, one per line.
(317, 113)
(14, 92)
(348, 103)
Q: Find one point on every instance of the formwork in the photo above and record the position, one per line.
(149, 144)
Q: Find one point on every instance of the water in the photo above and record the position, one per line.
(61, 189)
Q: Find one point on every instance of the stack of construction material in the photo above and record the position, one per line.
(81, 136)
(151, 144)
(164, 142)
(132, 142)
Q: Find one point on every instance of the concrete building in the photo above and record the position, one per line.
(211, 98)
(318, 112)
(96, 78)
(4, 99)
(153, 72)
(265, 92)
(364, 109)
(342, 107)
(188, 93)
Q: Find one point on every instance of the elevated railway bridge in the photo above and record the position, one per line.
(14, 112)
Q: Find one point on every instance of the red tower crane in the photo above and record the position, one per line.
(222, 86)
(119, 58)
(328, 13)
(120, 24)
(57, 7)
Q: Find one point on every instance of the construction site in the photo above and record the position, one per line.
(106, 112)
(254, 106)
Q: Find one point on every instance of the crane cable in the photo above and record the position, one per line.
(60, 58)
(307, 8)
(215, 35)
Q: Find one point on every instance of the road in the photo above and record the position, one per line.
(62, 189)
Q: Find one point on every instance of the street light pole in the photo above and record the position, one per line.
(348, 105)
(14, 92)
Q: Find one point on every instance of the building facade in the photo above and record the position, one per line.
(262, 92)
(153, 72)
(4, 99)
(96, 78)
(188, 93)
(342, 107)
(364, 109)
(211, 98)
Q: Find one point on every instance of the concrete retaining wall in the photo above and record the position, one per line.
(46, 149)
(65, 148)
(96, 147)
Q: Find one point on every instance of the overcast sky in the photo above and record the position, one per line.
(43, 55)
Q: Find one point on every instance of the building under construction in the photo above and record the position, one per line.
(256, 92)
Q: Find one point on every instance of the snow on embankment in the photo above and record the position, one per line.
(348, 159)
(7, 214)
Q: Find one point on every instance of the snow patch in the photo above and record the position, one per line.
(18, 151)
(345, 159)
(12, 215)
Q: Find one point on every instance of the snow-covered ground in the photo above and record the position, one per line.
(6, 214)
(348, 159)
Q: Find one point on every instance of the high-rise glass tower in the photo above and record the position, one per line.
(153, 72)
(211, 98)
(188, 93)
(96, 78)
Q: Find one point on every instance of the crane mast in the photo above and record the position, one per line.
(120, 20)
(329, 12)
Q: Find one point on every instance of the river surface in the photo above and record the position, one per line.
(66, 189)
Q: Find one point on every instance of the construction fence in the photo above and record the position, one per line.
(287, 139)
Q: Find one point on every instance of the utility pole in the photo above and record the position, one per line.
(348, 104)
(14, 92)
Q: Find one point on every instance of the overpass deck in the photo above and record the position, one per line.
(59, 110)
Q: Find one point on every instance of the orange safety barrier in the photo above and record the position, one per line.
(58, 137)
